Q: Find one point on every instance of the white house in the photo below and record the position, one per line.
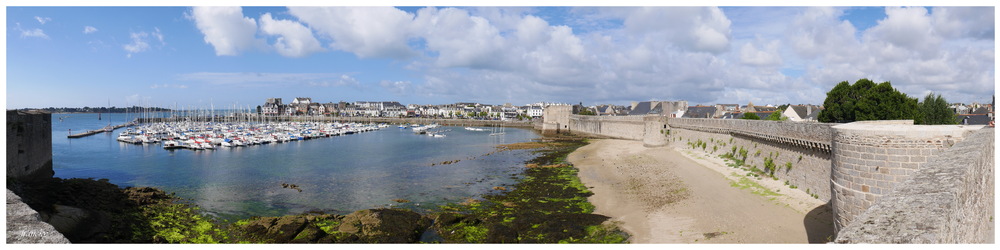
(536, 111)
(798, 113)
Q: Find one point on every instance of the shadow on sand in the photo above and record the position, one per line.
(819, 224)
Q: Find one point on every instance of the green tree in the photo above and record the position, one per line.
(935, 110)
(777, 116)
(587, 112)
(839, 104)
(750, 116)
(866, 100)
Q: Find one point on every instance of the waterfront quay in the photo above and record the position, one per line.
(355, 119)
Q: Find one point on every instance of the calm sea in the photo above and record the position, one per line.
(336, 174)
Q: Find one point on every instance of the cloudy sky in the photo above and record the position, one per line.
(87, 56)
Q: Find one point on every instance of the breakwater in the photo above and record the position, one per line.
(98, 131)
(851, 166)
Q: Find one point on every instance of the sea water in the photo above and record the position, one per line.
(336, 174)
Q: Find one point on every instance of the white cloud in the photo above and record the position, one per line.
(34, 33)
(368, 32)
(294, 39)
(819, 33)
(459, 39)
(959, 22)
(399, 88)
(89, 29)
(43, 20)
(226, 29)
(165, 86)
(260, 79)
(917, 50)
(690, 28)
(907, 28)
(344, 80)
(762, 57)
(765, 55)
(140, 41)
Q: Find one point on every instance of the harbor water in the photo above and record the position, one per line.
(337, 174)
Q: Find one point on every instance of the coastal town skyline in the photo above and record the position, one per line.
(159, 56)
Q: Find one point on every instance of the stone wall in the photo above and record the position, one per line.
(803, 134)
(655, 131)
(621, 127)
(25, 226)
(810, 166)
(556, 119)
(870, 158)
(949, 199)
(29, 144)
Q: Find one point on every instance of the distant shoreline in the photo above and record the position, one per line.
(88, 110)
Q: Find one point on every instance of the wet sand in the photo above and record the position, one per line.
(669, 195)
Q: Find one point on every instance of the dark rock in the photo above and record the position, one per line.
(78, 225)
(447, 218)
(498, 233)
(385, 225)
(146, 195)
(310, 233)
(257, 229)
(286, 228)
(340, 237)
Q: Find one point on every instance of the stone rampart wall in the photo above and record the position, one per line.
(556, 119)
(621, 127)
(869, 159)
(803, 134)
(29, 144)
(810, 167)
(950, 199)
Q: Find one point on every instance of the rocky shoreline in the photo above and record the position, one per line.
(548, 205)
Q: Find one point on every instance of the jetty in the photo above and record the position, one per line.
(98, 131)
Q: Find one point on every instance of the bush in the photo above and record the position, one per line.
(769, 166)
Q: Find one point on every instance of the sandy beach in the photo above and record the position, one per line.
(670, 195)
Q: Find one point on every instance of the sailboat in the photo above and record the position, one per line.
(109, 128)
(498, 133)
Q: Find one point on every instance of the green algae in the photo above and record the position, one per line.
(548, 205)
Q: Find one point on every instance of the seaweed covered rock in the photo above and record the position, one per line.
(273, 229)
(310, 233)
(385, 225)
(146, 195)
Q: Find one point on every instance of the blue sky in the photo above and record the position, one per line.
(159, 56)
